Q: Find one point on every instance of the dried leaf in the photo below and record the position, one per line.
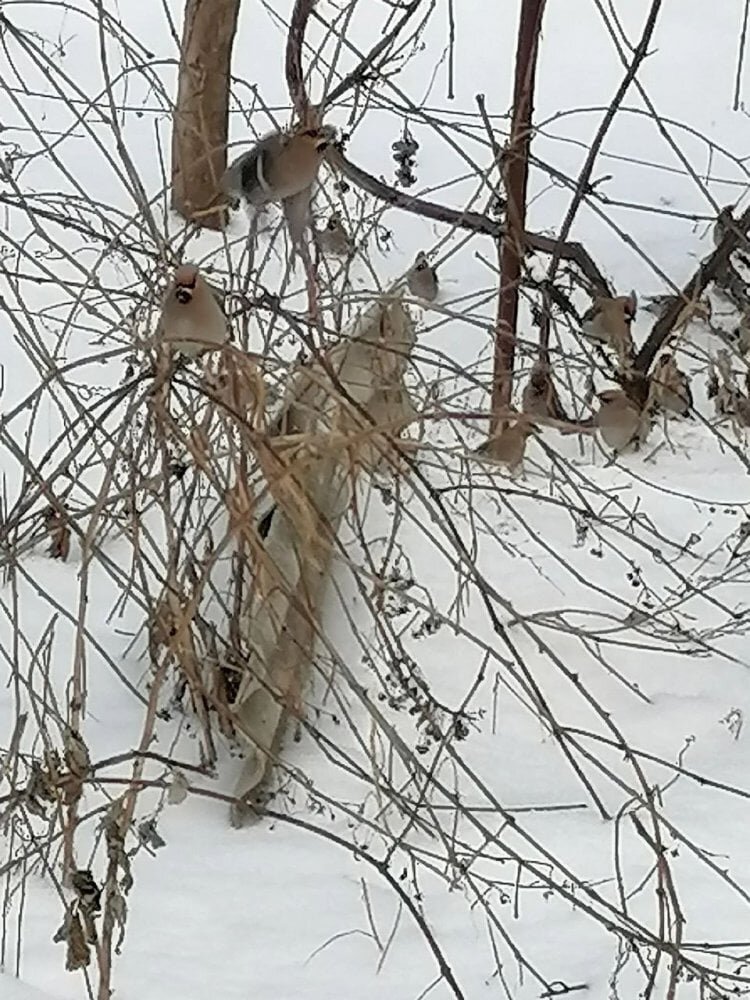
(119, 910)
(89, 927)
(126, 882)
(59, 533)
(88, 892)
(113, 833)
(61, 934)
(39, 789)
(149, 835)
(77, 757)
(79, 953)
(72, 789)
(178, 789)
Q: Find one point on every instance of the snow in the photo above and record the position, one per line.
(298, 905)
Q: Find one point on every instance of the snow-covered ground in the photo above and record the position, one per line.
(522, 856)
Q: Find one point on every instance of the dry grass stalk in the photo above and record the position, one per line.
(338, 412)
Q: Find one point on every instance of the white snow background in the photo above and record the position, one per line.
(283, 911)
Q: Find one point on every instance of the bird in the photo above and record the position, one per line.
(540, 399)
(422, 280)
(508, 446)
(192, 320)
(619, 420)
(279, 166)
(670, 387)
(333, 239)
(608, 322)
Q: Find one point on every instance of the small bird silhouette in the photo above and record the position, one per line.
(539, 398)
(508, 446)
(422, 280)
(608, 322)
(620, 421)
(670, 387)
(192, 320)
(333, 239)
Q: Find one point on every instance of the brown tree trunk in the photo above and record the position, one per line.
(201, 118)
(516, 173)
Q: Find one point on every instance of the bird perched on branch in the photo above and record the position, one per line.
(422, 280)
(333, 239)
(540, 399)
(508, 447)
(192, 320)
(670, 387)
(281, 168)
(620, 421)
(608, 322)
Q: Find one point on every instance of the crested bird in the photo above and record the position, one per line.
(608, 322)
(619, 420)
(279, 166)
(422, 280)
(192, 320)
(333, 238)
(670, 387)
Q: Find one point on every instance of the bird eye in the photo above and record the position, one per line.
(183, 295)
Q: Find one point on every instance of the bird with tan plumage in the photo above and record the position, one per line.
(281, 168)
(333, 239)
(608, 322)
(670, 387)
(622, 424)
(507, 447)
(422, 279)
(192, 320)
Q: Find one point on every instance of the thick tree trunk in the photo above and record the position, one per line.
(516, 172)
(201, 118)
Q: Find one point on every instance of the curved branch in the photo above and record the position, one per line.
(295, 77)
(708, 270)
(474, 222)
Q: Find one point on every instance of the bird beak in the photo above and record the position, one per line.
(328, 136)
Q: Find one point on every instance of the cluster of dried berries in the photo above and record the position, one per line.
(407, 689)
(404, 153)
